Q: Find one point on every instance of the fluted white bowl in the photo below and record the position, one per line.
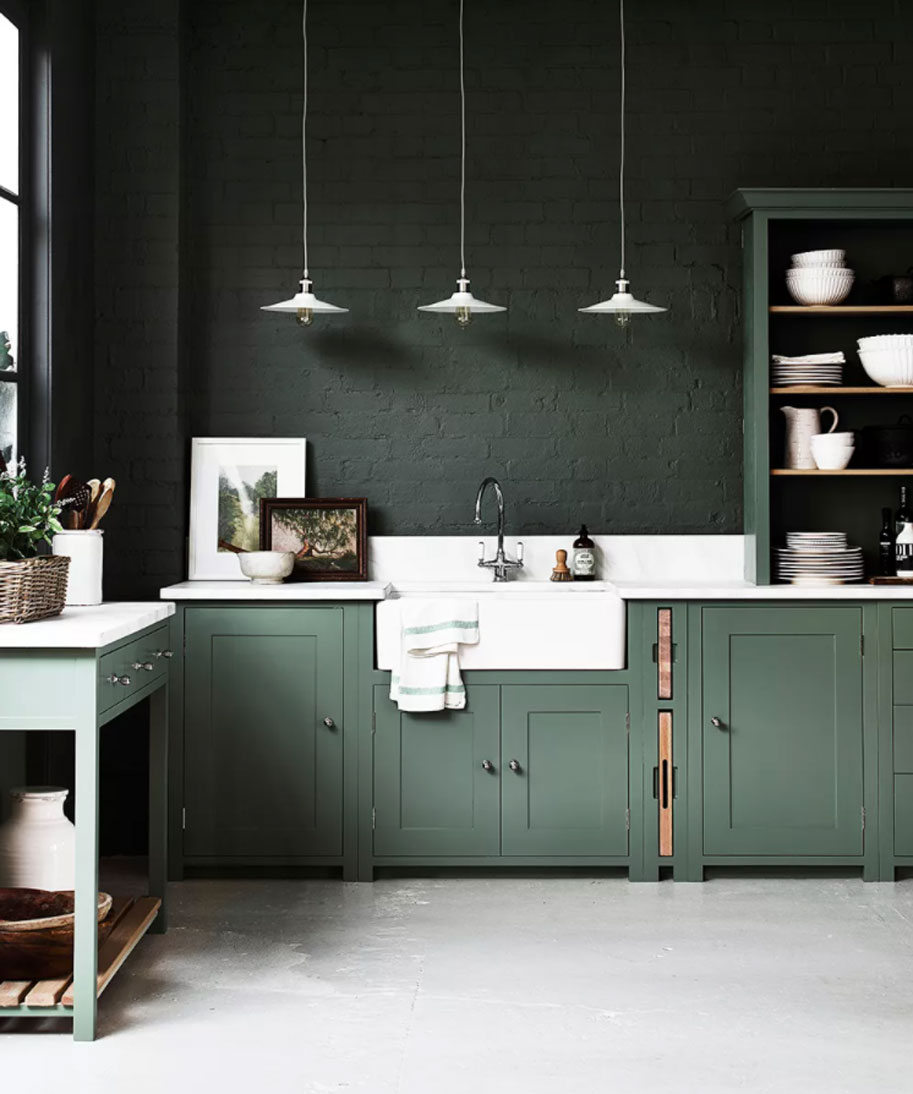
(819, 258)
(811, 285)
(833, 460)
(885, 341)
(267, 567)
(889, 367)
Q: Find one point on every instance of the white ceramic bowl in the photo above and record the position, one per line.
(889, 367)
(267, 567)
(819, 258)
(819, 284)
(835, 460)
(885, 341)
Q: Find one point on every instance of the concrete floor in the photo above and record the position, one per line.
(459, 985)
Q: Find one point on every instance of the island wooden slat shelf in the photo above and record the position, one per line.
(132, 918)
(816, 389)
(871, 471)
(841, 309)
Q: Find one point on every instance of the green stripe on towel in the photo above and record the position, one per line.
(454, 624)
(427, 691)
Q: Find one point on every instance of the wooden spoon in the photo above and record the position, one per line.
(104, 502)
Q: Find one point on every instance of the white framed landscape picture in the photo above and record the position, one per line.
(228, 478)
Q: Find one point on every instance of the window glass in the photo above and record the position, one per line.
(8, 422)
(9, 105)
(9, 284)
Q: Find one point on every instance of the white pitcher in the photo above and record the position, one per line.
(802, 423)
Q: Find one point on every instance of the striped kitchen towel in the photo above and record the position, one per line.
(429, 673)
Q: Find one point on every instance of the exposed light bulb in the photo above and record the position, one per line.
(463, 317)
(622, 318)
(304, 317)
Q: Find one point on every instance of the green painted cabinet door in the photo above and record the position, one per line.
(262, 772)
(781, 727)
(436, 777)
(564, 770)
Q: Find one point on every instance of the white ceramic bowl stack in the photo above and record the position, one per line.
(888, 359)
(819, 278)
(833, 451)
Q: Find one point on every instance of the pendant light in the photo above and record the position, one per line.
(622, 304)
(462, 303)
(304, 304)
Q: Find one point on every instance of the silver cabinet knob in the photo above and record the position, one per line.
(718, 722)
(143, 666)
(487, 765)
(124, 681)
(514, 765)
(329, 723)
(164, 653)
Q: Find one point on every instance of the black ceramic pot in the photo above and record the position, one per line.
(889, 445)
(896, 288)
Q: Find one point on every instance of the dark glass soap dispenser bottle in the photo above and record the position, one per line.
(584, 557)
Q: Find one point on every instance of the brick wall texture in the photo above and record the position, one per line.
(198, 225)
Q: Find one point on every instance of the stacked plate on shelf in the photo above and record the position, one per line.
(820, 369)
(818, 558)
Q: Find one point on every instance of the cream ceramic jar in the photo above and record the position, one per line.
(38, 843)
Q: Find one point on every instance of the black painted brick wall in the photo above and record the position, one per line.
(636, 433)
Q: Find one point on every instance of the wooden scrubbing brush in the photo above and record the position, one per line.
(561, 572)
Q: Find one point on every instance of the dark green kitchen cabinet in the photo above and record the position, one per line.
(436, 777)
(564, 770)
(526, 771)
(781, 730)
(263, 732)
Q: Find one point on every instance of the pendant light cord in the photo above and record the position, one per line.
(463, 153)
(621, 160)
(304, 149)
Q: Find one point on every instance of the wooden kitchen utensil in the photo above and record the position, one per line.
(104, 502)
(561, 571)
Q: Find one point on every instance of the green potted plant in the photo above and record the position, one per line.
(32, 585)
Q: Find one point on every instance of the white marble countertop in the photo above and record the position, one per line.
(744, 590)
(290, 590)
(84, 628)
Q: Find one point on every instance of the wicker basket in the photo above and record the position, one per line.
(33, 588)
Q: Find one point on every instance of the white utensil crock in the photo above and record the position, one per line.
(802, 423)
(38, 843)
(86, 550)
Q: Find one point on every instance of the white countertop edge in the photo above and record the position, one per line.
(743, 590)
(292, 590)
(85, 628)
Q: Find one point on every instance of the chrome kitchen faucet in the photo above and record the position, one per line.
(500, 565)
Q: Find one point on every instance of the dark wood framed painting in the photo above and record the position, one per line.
(327, 535)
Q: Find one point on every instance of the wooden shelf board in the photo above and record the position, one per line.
(846, 471)
(132, 918)
(842, 309)
(815, 389)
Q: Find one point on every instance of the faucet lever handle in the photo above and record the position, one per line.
(481, 550)
(519, 550)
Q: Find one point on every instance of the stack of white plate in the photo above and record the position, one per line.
(818, 558)
(820, 369)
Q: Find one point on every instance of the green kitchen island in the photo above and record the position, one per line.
(75, 673)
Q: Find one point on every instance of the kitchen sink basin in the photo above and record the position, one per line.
(522, 624)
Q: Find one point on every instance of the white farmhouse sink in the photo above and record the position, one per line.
(522, 624)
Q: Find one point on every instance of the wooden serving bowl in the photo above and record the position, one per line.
(36, 933)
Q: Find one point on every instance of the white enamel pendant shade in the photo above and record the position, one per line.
(304, 304)
(462, 301)
(622, 302)
(304, 298)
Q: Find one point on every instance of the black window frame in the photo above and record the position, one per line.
(17, 13)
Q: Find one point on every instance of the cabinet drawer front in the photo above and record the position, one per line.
(903, 676)
(903, 739)
(903, 815)
(121, 663)
(903, 628)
